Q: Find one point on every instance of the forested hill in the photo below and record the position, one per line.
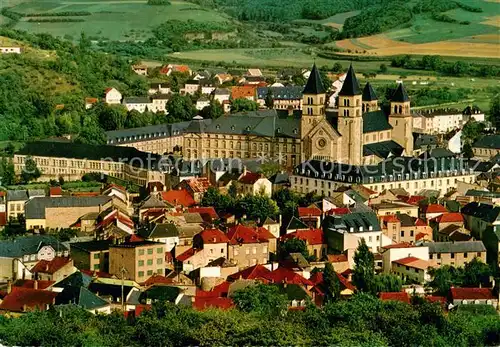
(287, 10)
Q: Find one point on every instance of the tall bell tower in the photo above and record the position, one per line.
(401, 119)
(350, 120)
(370, 100)
(313, 102)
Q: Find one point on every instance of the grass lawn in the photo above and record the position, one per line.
(114, 20)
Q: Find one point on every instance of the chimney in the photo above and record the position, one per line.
(35, 284)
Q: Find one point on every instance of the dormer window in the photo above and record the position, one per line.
(232, 127)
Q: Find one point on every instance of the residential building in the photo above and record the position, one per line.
(202, 102)
(21, 300)
(208, 245)
(314, 240)
(16, 200)
(166, 233)
(137, 261)
(393, 252)
(284, 98)
(159, 88)
(137, 103)
(159, 103)
(3, 209)
(387, 208)
(62, 212)
(192, 86)
(112, 96)
(221, 95)
(53, 270)
(472, 296)
(411, 269)
(455, 253)
(168, 69)
(249, 246)
(404, 228)
(140, 69)
(486, 147)
(254, 184)
(91, 255)
(244, 92)
(10, 50)
(223, 78)
(196, 187)
(19, 255)
(438, 121)
(432, 211)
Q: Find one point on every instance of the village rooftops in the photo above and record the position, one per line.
(455, 247)
(136, 244)
(27, 245)
(390, 170)
(281, 93)
(488, 141)
(36, 207)
(92, 246)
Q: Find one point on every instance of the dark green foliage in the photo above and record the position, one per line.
(181, 107)
(269, 101)
(55, 20)
(241, 105)
(256, 207)
(214, 110)
(30, 171)
(495, 111)
(262, 299)
(331, 283)
(292, 245)
(364, 268)
(383, 68)
(7, 174)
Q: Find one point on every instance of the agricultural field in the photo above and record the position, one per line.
(113, 20)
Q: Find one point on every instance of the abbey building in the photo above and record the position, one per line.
(358, 132)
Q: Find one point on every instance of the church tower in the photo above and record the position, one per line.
(370, 100)
(350, 120)
(401, 120)
(313, 102)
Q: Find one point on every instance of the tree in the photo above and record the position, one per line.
(30, 170)
(467, 150)
(495, 111)
(364, 268)
(242, 105)
(383, 68)
(7, 174)
(212, 111)
(332, 283)
(476, 273)
(91, 133)
(110, 117)
(387, 283)
(215, 199)
(444, 277)
(269, 100)
(232, 191)
(337, 68)
(256, 207)
(293, 245)
(262, 299)
(181, 107)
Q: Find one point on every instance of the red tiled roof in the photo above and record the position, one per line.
(180, 68)
(472, 294)
(399, 245)
(339, 211)
(3, 218)
(250, 178)
(178, 197)
(420, 236)
(107, 90)
(317, 279)
(202, 303)
(309, 211)
(390, 219)
(310, 236)
(32, 298)
(243, 91)
(91, 100)
(413, 262)
(198, 185)
(337, 258)
(187, 254)
(137, 311)
(100, 274)
(265, 234)
(412, 200)
(54, 191)
(251, 273)
(420, 223)
(436, 298)
(157, 279)
(434, 208)
(210, 236)
(284, 275)
(218, 291)
(241, 234)
(31, 284)
(204, 210)
(452, 217)
(347, 272)
(2, 193)
(133, 238)
(50, 267)
(395, 296)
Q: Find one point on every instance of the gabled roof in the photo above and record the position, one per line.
(295, 224)
(157, 279)
(50, 267)
(241, 234)
(309, 211)
(486, 212)
(434, 208)
(383, 149)
(375, 121)
(452, 217)
(284, 275)
(250, 178)
(400, 94)
(211, 236)
(77, 279)
(488, 141)
(368, 93)
(314, 84)
(80, 296)
(413, 262)
(35, 208)
(28, 245)
(178, 197)
(456, 247)
(32, 298)
(204, 210)
(92, 246)
(218, 291)
(310, 236)
(251, 273)
(399, 245)
(472, 294)
(187, 254)
(351, 84)
(41, 284)
(153, 202)
(395, 296)
(162, 230)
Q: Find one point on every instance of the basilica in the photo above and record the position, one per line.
(358, 132)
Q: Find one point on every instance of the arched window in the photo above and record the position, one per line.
(348, 102)
(395, 109)
(363, 108)
(347, 111)
(400, 109)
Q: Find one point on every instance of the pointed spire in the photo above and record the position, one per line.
(351, 84)
(368, 93)
(400, 94)
(314, 84)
